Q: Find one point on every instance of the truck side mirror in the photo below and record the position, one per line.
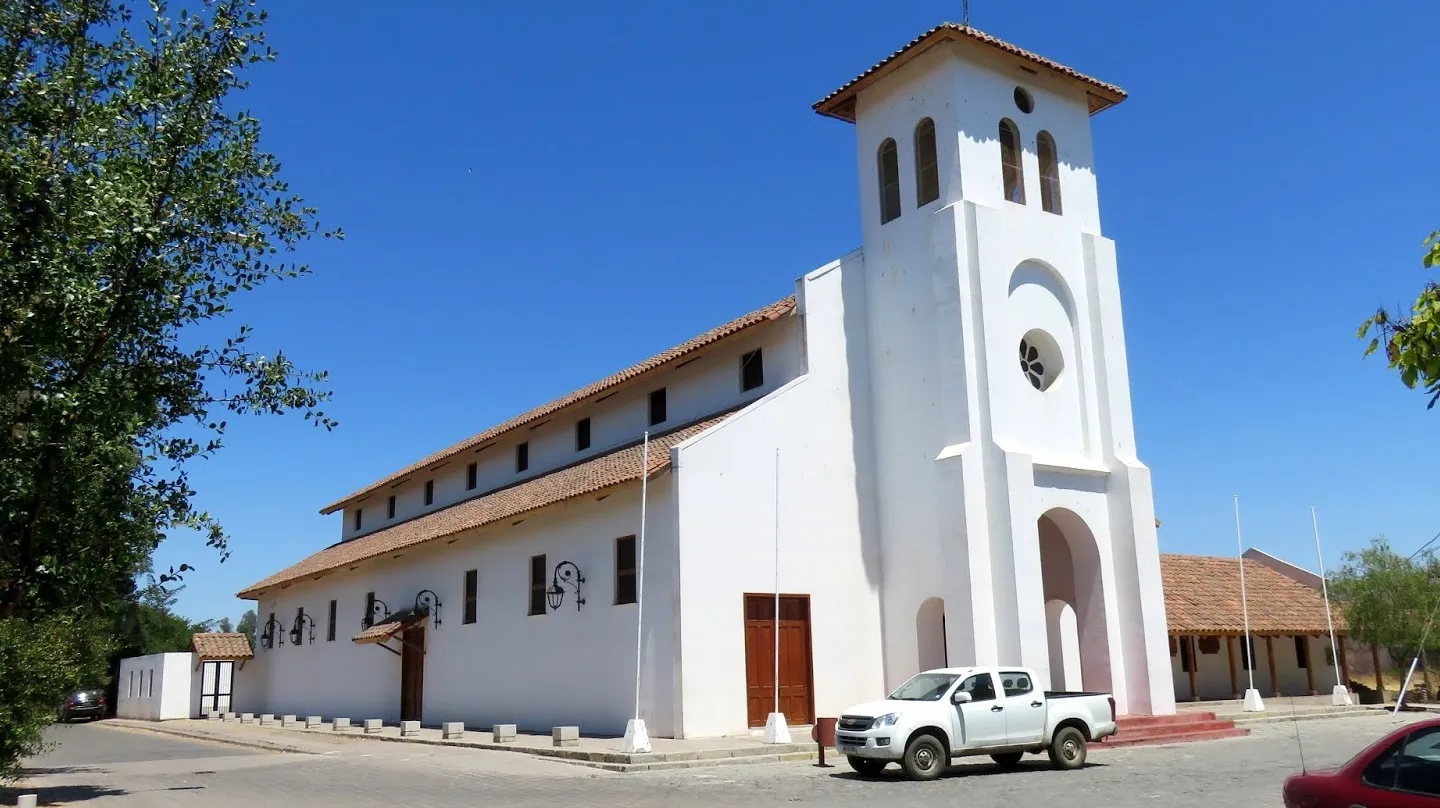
(962, 697)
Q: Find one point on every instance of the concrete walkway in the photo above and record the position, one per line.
(602, 753)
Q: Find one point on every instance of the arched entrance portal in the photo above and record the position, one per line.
(930, 635)
(1074, 603)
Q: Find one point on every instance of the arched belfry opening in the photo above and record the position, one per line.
(1074, 603)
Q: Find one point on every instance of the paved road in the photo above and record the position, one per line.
(103, 772)
(81, 744)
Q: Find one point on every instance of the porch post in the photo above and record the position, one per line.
(1194, 663)
(1379, 679)
(1309, 667)
(1230, 655)
(1270, 652)
(1344, 667)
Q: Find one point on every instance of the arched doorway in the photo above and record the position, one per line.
(1070, 569)
(930, 635)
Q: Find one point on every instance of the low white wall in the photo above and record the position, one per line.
(155, 687)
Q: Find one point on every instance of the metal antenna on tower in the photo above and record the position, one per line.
(965, 13)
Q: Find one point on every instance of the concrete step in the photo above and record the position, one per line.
(1160, 739)
(1136, 722)
(1276, 716)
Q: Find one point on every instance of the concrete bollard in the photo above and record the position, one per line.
(372, 726)
(267, 719)
(227, 717)
(409, 728)
(341, 724)
(565, 736)
(503, 733)
(452, 730)
(312, 721)
(287, 720)
(26, 801)
(247, 718)
(213, 715)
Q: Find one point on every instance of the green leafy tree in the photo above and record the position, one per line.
(247, 624)
(135, 205)
(1412, 343)
(224, 625)
(1388, 599)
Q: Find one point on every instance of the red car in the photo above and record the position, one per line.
(1400, 770)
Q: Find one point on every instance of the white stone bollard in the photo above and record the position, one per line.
(213, 715)
(287, 720)
(26, 801)
(565, 736)
(267, 719)
(452, 730)
(227, 717)
(247, 718)
(503, 733)
(341, 724)
(409, 728)
(372, 726)
(312, 721)
(1340, 697)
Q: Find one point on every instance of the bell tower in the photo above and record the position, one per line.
(1006, 478)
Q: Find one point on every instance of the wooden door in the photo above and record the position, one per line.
(412, 673)
(795, 658)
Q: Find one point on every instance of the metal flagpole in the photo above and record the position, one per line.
(1325, 590)
(1244, 605)
(637, 737)
(640, 567)
(777, 580)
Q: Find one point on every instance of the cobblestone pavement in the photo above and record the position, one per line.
(1242, 772)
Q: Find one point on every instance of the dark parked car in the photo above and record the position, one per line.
(83, 704)
(1399, 770)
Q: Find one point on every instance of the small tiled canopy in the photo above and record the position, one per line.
(390, 626)
(222, 645)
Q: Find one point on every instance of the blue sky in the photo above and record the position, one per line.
(536, 195)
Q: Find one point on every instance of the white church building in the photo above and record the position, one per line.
(929, 446)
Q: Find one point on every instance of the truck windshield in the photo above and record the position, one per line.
(924, 687)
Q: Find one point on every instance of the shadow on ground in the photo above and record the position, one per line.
(844, 772)
(46, 795)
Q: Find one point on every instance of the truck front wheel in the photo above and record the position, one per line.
(866, 767)
(1067, 748)
(925, 758)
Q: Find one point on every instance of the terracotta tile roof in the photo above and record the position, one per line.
(841, 103)
(589, 477)
(222, 645)
(1202, 596)
(390, 626)
(771, 312)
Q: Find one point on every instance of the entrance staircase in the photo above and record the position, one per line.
(1146, 730)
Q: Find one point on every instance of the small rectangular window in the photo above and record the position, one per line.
(429, 492)
(582, 434)
(130, 688)
(472, 593)
(330, 627)
(151, 692)
(522, 457)
(752, 370)
(657, 407)
(625, 590)
(471, 472)
(537, 584)
(390, 508)
(358, 511)
(1302, 652)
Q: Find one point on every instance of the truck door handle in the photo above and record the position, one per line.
(1037, 704)
(997, 708)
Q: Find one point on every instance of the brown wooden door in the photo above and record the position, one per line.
(795, 659)
(412, 673)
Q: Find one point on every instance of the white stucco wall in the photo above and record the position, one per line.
(969, 454)
(564, 667)
(708, 384)
(1212, 676)
(154, 687)
(727, 516)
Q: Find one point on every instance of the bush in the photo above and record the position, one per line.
(40, 661)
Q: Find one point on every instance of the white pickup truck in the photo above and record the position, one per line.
(952, 712)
